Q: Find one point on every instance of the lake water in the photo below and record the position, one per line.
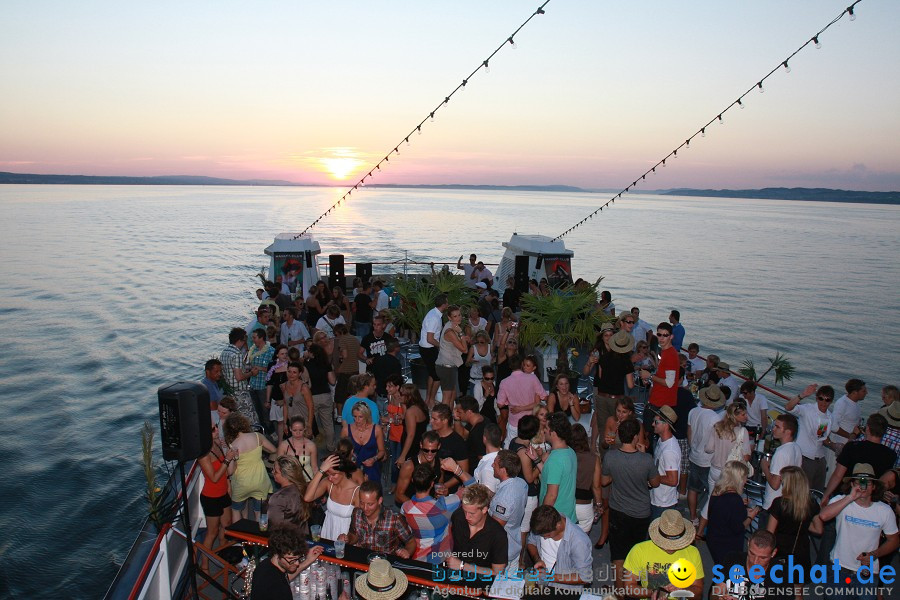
(109, 292)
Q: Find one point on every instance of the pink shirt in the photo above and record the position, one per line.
(519, 389)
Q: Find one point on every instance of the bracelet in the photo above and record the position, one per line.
(321, 472)
(458, 471)
(799, 397)
(462, 565)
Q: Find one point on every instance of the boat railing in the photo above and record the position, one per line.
(161, 570)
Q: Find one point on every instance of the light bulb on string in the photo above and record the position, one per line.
(760, 87)
(703, 132)
(487, 67)
(431, 116)
(851, 13)
(464, 82)
(407, 140)
(419, 129)
(741, 104)
(512, 43)
(721, 120)
(816, 41)
(787, 67)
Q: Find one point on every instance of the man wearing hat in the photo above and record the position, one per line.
(667, 456)
(727, 379)
(861, 520)
(700, 423)
(271, 579)
(890, 396)
(647, 565)
(381, 582)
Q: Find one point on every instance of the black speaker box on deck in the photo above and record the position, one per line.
(185, 421)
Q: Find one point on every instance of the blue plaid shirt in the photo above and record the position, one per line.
(261, 359)
(891, 439)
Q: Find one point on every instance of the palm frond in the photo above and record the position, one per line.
(748, 370)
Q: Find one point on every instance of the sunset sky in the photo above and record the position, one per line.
(317, 92)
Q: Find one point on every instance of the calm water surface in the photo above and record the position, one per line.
(109, 292)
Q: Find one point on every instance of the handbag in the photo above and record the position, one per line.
(737, 451)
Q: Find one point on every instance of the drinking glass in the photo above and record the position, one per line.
(263, 522)
(315, 530)
(339, 546)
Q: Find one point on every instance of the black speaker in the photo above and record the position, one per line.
(184, 421)
(364, 271)
(336, 271)
(521, 276)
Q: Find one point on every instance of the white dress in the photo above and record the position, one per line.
(337, 517)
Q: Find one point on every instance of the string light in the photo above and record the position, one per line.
(739, 102)
(484, 65)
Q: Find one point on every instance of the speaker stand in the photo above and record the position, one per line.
(188, 533)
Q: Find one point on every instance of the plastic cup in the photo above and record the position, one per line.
(315, 531)
(339, 546)
(264, 522)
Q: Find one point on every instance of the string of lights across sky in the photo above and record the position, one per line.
(485, 64)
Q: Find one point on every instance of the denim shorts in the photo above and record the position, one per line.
(255, 505)
(697, 478)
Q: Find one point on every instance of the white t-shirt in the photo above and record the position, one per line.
(733, 384)
(701, 421)
(786, 455)
(327, 325)
(697, 364)
(548, 551)
(760, 403)
(484, 472)
(667, 456)
(381, 301)
(813, 429)
(859, 529)
(433, 322)
(641, 327)
(297, 332)
(844, 415)
(467, 273)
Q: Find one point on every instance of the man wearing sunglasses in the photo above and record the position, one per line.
(814, 425)
(272, 578)
(427, 455)
(665, 381)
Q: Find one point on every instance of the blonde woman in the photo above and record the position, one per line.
(368, 442)
(728, 438)
(728, 514)
(287, 504)
(453, 346)
(793, 516)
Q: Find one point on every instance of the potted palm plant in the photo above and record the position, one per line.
(566, 318)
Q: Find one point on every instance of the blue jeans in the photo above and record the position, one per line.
(395, 448)
(363, 329)
(861, 591)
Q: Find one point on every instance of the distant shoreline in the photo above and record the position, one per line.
(802, 194)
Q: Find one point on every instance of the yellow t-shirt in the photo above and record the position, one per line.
(651, 563)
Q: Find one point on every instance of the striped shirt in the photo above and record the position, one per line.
(429, 521)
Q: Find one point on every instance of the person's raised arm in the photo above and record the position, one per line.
(833, 482)
(833, 509)
(793, 402)
(319, 484)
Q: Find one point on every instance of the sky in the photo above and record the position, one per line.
(593, 95)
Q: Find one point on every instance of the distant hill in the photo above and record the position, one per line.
(808, 194)
(124, 180)
(460, 186)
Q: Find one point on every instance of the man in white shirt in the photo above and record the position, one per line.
(667, 456)
(697, 363)
(700, 423)
(381, 298)
(757, 407)
(482, 274)
(293, 332)
(429, 343)
(814, 423)
(786, 455)
(508, 503)
(485, 472)
(727, 379)
(844, 420)
(467, 270)
(642, 329)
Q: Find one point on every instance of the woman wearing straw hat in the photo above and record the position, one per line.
(647, 564)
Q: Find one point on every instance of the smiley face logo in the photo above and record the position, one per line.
(682, 573)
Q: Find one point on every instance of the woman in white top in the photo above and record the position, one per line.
(479, 356)
(726, 435)
(454, 344)
(333, 479)
(475, 321)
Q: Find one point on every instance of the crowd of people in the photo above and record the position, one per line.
(490, 469)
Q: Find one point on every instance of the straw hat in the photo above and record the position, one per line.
(381, 582)
(671, 531)
(622, 342)
(862, 471)
(665, 413)
(712, 397)
(606, 325)
(891, 412)
(723, 366)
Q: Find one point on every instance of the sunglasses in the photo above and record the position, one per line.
(294, 560)
(629, 322)
(427, 451)
(663, 335)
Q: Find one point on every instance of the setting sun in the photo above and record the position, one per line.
(342, 162)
